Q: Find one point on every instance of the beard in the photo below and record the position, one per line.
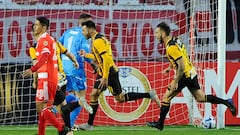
(161, 40)
(88, 35)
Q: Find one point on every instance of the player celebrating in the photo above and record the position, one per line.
(107, 73)
(47, 71)
(74, 41)
(185, 76)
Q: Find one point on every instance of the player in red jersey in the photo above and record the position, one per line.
(47, 71)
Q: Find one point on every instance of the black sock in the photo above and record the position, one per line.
(215, 100)
(164, 110)
(66, 119)
(134, 96)
(94, 106)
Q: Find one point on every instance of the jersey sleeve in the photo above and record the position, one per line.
(100, 46)
(61, 47)
(32, 53)
(174, 52)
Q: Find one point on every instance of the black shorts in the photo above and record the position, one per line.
(114, 85)
(60, 96)
(191, 83)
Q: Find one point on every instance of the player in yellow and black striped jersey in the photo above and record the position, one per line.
(107, 72)
(185, 76)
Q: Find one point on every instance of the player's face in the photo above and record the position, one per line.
(85, 32)
(37, 28)
(158, 35)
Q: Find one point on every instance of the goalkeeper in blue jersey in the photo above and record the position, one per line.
(74, 41)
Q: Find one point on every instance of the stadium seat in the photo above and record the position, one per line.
(103, 2)
(48, 2)
(25, 2)
(157, 2)
(79, 2)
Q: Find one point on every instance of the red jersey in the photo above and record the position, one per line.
(49, 70)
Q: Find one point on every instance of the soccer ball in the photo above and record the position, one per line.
(209, 122)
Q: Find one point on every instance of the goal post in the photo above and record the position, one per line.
(221, 38)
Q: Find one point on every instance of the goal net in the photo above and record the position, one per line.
(129, 25)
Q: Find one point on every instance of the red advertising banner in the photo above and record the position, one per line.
(126, 114)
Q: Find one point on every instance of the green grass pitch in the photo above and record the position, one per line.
(125, 130)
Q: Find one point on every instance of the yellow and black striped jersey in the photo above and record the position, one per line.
(102, 54)
(175, 50)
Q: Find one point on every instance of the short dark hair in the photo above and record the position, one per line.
(163, 26)
(89, 24)
(44, 21)
(85, 16)
(32, 27)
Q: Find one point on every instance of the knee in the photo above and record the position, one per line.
(94, 96)
(120, 98)
(166, 99)
(200, 99)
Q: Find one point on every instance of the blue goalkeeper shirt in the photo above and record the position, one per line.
(74, 41)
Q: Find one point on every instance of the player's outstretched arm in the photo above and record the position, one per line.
(168, 69)
(83, 53)
(72, 58)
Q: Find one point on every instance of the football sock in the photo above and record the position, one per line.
(164, 110)
(94, 105)
(134, 96)
(74, 115)
(215, 100)
(41, 124)
(49, 116)
(66, 119)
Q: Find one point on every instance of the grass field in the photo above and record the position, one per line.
(125, 130)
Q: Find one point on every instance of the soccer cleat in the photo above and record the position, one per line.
(153, 96)
(86, 127)
(75, 128)
(65, 131)
(232, 107)
(155, 125)
(86, 105)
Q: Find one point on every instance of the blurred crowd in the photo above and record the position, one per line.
(95, 2)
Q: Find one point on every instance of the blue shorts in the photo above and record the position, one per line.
(76, 84)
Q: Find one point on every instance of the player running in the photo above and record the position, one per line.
(107, 73)
(185, 76)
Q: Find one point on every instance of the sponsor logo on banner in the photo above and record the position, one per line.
(132, 80)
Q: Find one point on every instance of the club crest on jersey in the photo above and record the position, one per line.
(45, 43)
